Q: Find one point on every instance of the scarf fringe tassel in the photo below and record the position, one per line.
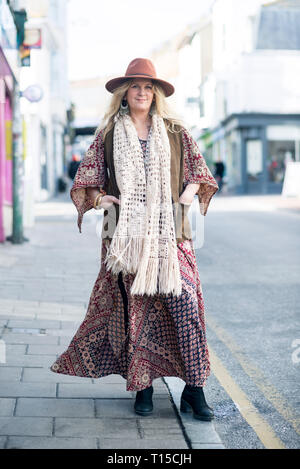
(124, 255)
(168, 281)
(147, 278)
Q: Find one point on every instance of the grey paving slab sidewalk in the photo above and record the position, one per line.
(44, 292)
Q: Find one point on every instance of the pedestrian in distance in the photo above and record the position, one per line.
(73, 166)
(145, 318)
(219, 173)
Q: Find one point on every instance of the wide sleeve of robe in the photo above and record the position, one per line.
(92, 172)
(196, 171)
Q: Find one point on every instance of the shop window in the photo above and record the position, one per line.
(279, 154)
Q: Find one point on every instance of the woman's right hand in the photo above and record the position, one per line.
(108, 200)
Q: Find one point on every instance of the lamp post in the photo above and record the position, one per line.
(17, 237)
(32, 93)
(18, 171)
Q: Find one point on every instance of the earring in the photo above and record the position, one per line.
(124, 109)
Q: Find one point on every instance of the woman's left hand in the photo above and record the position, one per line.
(188, 194)
(186, 199)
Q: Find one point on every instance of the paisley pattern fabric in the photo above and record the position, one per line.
(165, 335)
(196, 171)
(141, 337)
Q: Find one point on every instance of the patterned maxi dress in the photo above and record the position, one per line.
(141, 337)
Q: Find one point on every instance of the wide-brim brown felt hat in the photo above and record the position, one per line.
(140, 68)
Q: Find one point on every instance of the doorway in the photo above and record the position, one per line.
(254, 166)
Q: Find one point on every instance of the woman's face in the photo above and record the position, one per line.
(140, 95)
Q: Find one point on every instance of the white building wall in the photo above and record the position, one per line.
(268, 81)
(48, 69)
(233, 30)
(245, 79)
(188, 82)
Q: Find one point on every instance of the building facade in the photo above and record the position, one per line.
(46, 120)
(9, 73)
(236, 73)
(250, 99)
(33, 62)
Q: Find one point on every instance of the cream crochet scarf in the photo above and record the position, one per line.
(144, 241)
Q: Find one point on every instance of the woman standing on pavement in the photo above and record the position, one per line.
(145, 317)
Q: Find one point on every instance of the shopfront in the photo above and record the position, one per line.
(256, 149)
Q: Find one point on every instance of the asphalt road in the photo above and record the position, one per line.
(249, 267)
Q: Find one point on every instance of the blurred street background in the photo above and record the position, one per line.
(235, 66)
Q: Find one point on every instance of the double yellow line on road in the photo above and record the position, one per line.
(263, 430)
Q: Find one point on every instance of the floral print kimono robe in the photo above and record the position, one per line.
(141, 337)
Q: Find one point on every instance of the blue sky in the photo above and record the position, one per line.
(104, 36)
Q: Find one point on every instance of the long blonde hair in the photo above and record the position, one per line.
(162, 108)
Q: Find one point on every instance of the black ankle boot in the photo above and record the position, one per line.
(193, 400)
(143, 402)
